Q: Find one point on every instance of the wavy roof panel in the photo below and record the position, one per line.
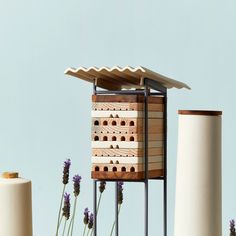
(122, 77)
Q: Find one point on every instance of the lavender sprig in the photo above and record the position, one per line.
(66, 208)
(102, 188)
(120, 192)
(86, 219)
(65, 180)
(86, 216)
(120, 196)
(232, 228)
(66, 171)
(90, 223)
(76, 181)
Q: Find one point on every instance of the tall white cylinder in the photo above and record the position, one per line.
(15, 207)
(198, 176)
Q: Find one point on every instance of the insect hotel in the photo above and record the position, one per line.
(128, 127)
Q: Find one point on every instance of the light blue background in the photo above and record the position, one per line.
(45, 115)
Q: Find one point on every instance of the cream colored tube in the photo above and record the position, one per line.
(15, 207)
(198, 177)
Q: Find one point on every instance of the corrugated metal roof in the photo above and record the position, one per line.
(122, 77)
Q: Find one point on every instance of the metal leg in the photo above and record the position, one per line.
(116, 209)
(165, 166)
(95, 206)
(146, 155)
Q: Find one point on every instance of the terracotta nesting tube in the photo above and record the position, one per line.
(198, 176)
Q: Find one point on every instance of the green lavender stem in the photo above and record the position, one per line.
(71, 225)
(64, 229)
(73, 216)
(85, 226)
(88, 232)
(99, 201)
(113, 226)
(59, 213)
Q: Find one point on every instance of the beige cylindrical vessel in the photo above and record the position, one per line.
(15, 206)
(198, 176)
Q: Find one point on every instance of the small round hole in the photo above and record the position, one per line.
(131, 138)
(105, 168)
(122, 123)
(96, 122)
(105, 122)
(96, 138)
(114, 169)
(131, 123)
(132, 169)
(113, 123)
(123, 169)
(97, 168)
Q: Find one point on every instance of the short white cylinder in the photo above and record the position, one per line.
(198, 177)
(15, 207)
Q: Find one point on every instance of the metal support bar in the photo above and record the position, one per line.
(155, 85)
(165, 167)
(127, 92)
(116, 209)
(95, 207)
(146, 154)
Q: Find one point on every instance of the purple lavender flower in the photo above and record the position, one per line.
(66, 171)
(66, 208)
(102, 186)
(120, 192)
(232, 228)
(86, 216)
(76, 180)
(90, 222)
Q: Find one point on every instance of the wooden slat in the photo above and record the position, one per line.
(128, 167)
(126, 175)
(127, 98)
(126, 152)
(126, 114)
(125, 137)
(119, 144)
(127, 130)
(125, 106)
(125, 160)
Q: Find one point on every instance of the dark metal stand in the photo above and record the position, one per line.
(160, 90)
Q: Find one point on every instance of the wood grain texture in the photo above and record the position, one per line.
(125, 160)
(200, 112)
(102, 175)
(120, 144)
(125, 106)
(126, 114)
(127, 98)
(127, 167)
(127, 152)
(126, 137)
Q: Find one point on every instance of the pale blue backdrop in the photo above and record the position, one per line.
(44, 114)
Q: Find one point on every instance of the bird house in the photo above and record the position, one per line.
(129, 121)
